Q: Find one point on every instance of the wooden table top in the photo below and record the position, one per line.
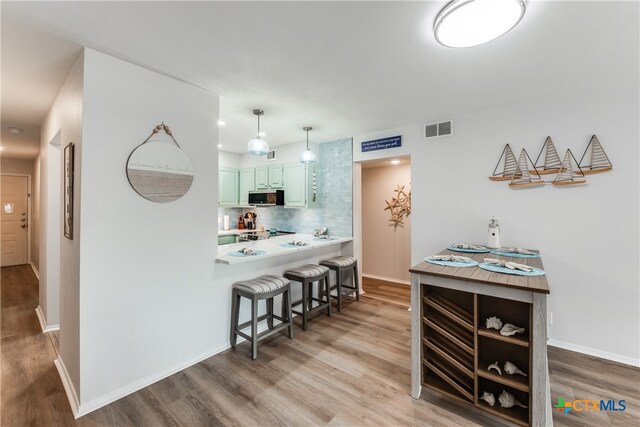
(478, 275)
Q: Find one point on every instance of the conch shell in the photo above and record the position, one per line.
(507, 400)
(496, 367)
(508, 330)
(489, 398)
(511, 369)
(494, 323)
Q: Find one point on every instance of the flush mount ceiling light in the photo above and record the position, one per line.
(14, 130)
(258, 146)
(466, 23)
(307, 156)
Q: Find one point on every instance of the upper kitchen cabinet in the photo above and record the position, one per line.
(269, 177)
(228, 187)
(262, 178)
(298, 185)
(247, 183)
(275, 177)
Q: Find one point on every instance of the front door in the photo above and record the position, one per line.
(15, 220)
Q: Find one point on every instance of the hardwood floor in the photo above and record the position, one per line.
(350, 369)
(394, 293)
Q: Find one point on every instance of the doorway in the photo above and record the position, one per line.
(386, 229)
(14, 237)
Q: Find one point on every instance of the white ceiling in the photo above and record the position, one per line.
(345, 68)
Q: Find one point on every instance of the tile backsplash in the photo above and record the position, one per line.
(335, 198)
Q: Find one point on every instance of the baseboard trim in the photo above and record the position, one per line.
(111, 397)
(68, 386)
(594, 352)
(43, 323)
(387, 279)
(35, 270)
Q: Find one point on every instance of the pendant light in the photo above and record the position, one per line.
(258, 146)
(466, 23)
(307, 156)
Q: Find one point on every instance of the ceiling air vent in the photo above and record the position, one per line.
(434, 130)
(271, 155)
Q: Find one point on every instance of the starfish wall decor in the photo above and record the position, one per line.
(399, 206)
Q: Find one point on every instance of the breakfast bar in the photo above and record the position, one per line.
(459, 351)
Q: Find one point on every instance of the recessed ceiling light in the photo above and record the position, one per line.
(221, 123)
(261, 134)
(219, 145)
(14, 130)
(466, 23)
(395, 162)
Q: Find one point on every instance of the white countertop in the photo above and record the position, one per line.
(233, 231)
(273, 248)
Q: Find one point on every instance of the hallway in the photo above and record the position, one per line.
(31, 388)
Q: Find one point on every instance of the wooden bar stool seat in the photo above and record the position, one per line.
(341, 264)
(262, 288)
(307, 275)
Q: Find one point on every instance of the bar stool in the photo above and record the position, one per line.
(340, 264)
(307, 275)
(261, 288)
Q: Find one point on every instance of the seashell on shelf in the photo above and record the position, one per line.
(489, 398)
(507, 400)
(512, 369)
(508, 330)
(494, 323)
(496, 367)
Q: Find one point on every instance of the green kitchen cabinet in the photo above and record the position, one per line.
(228, 187)
(275, 177)
(228, 239)
(298, 188)
(247, 183)
(262, 178)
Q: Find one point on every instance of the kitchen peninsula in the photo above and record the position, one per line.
(278, 247)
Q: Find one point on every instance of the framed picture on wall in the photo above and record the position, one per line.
(68, 191)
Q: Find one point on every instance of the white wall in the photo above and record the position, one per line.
(147, 302)
(228, 159)
(588, 235)
(63, 124)
(386, 250)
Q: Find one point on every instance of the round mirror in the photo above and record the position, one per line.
(160, 171)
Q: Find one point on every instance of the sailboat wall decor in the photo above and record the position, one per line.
(569, 175)
(599, 159)
(522, 176)
(552, 163)
(509, 168)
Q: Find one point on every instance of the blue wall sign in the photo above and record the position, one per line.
(382, 144)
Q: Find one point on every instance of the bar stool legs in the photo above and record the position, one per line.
(307, 276)
(262, 288)
(339, 265)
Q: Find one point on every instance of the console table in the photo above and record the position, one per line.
(452, 349)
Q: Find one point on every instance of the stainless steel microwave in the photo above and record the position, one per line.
(267, 198)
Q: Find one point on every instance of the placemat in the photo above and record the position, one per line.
(240, 254)
(514, 254)
(289, 245)
(505, 270)
(452, 263)
(473, 251)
